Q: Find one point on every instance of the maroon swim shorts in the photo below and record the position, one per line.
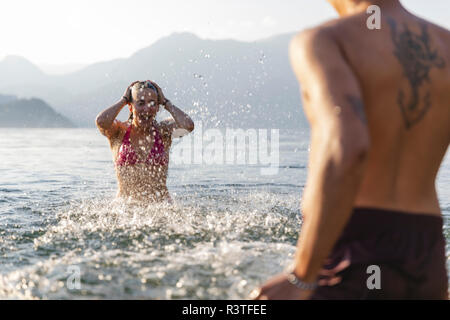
(391, 255)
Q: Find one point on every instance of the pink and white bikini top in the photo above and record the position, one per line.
(127, 156)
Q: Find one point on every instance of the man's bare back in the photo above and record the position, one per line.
(378, 103)
(404, 73)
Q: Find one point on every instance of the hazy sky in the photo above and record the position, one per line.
(86, 31)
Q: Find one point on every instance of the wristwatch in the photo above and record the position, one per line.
(293, 279)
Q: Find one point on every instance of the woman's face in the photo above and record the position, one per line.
(145, 106)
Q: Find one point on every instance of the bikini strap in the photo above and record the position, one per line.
(126, 137)
(157, 135)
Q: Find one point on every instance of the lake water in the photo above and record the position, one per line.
(231, 227)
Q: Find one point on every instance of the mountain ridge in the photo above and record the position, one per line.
(210, 79)
(31, 113)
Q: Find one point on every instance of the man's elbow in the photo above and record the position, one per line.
(356, 148)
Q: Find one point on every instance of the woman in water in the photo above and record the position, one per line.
(141, 146)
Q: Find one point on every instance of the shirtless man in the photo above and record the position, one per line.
(378, 102)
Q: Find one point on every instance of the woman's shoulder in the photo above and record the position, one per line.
(171, 129)
(164, 133)
(120, 129)
(123, 125)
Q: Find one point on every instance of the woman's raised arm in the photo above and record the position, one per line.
(105, 119)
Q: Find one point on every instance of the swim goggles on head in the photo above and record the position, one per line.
(150, 85)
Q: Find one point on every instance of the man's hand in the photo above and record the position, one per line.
(279, 288)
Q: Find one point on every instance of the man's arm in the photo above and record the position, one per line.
(339, 145)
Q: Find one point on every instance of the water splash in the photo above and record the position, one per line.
(219, 247)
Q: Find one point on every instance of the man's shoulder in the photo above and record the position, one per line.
(333, 25)
(443, 33)
(308, 37)
(314, 42)
(440, 29)
(325, 34)
(439, 35)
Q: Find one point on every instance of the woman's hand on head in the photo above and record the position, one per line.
(161, 98)
(127, 94)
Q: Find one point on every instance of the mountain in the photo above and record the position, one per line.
(219, 82)
(58, 69)
(31, 113)
(7, 98)
(15, 70)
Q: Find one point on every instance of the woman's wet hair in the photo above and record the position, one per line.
(137, 86)
(130, 117)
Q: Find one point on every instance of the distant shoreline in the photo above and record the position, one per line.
(30, 113)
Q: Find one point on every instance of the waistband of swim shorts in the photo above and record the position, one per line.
(366, 221)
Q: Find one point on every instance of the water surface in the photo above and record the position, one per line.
(230, 229)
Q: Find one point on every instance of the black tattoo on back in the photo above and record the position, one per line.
(357, 107)
(417, 58)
